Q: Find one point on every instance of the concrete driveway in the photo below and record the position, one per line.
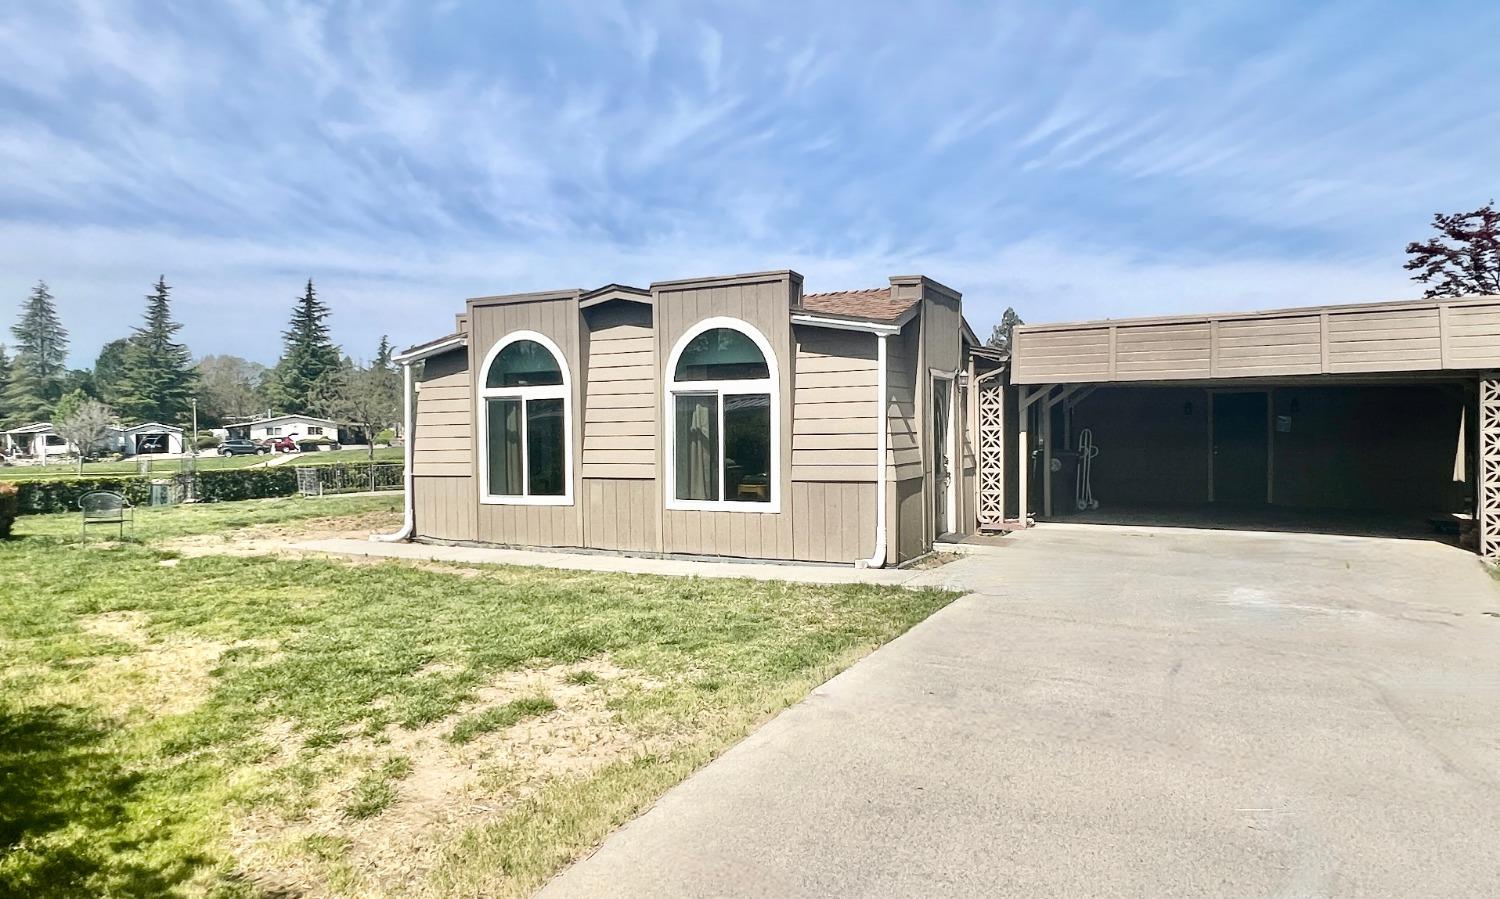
(1123, 713)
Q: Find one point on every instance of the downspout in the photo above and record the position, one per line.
(877, 558)
(408, 437)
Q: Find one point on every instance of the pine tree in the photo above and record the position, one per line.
(41, 351)
(308, 358)
(159, 378)
(4, 380)
(109, 369)
(383, 353)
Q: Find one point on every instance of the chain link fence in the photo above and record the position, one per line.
(317, 480)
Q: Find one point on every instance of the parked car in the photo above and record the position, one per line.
(241, 446)
(286, 444)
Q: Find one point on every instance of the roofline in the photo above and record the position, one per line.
(502, 299)
(151, 424)
(776, 275)
(612, 292)
(1374, 306)
(923, 279)
(840, 323)
(261, 421)
(431, 348)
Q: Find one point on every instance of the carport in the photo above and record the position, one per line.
(1353, 418)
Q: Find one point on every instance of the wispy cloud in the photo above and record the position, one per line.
(1090, 161)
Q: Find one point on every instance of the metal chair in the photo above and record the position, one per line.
(103, 507)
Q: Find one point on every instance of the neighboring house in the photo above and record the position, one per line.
(724, 416)
(40, 442)
(36, 441)
(285, 426)
(149, 439)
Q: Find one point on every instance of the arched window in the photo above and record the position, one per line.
(722, 425)
(526, 431)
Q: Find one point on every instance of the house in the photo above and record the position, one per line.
(41, 442)
(276, 426)
(36, 441)
(1350, 418)
(149, 438)
(723, 416)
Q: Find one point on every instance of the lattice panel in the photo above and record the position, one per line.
(1489, 468)
(991, 451)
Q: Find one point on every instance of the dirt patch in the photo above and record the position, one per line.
(932, 560)
(161, 677)
(276, 539)
(449, 789)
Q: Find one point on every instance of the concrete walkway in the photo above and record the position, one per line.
(575, 561)
(1122, 713)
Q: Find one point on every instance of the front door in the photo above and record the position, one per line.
(1241, 452)
(942, 442)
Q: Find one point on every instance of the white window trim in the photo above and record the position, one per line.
(769, 385)
(553, 391)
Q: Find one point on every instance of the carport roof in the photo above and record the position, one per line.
(1429, 335)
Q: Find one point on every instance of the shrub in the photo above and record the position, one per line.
(208, 441)
(9, 501)
(385, 438)
(227, 485)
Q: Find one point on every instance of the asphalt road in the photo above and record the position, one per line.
(1119, 713)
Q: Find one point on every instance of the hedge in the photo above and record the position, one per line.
(8, 501)
(227, 485)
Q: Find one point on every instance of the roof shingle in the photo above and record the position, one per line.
(875, 304)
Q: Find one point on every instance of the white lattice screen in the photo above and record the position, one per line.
(991, 451)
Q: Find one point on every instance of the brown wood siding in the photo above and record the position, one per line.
(557, 317)
(444, 507)
(833, 522)
(620, 514)
(906, 538)
(763, 301)
(444, 430)
(834, 406)
(1427, 335)
(619, 421)
(904, 445)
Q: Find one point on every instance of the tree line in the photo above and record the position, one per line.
(150, 376)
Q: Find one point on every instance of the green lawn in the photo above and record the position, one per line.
(258, 726)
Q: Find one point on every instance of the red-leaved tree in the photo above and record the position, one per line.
(1465, 259)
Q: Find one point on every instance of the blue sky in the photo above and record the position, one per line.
(1071, 160)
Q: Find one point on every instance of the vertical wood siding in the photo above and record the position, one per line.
(557, 317)
(763, 301)
(620, 514)
(445, 507)
(619, 417)
(833, 522)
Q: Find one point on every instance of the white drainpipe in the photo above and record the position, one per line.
(408, 437)
(877, 558)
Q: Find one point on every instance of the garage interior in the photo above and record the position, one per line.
(1379, 419)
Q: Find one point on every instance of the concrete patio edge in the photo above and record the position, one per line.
(759, 571)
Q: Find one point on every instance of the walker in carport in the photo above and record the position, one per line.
(1083, 492)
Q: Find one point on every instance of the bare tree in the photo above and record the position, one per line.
(84, 422)
(367, 397)
(1465, 259)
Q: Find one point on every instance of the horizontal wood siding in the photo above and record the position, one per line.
(1384, 341)
(1472, 338)
(1155, 352)
(834, 406)
(1437, 335)
(1257, 348)
(620, 436)
(442, 445)
(445, 507)
(557, 317)
(833, 522)
(620, 514)
(1061, 357)
(904, 450)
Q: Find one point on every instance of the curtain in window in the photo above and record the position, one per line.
(504, 422)
(697, 446)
